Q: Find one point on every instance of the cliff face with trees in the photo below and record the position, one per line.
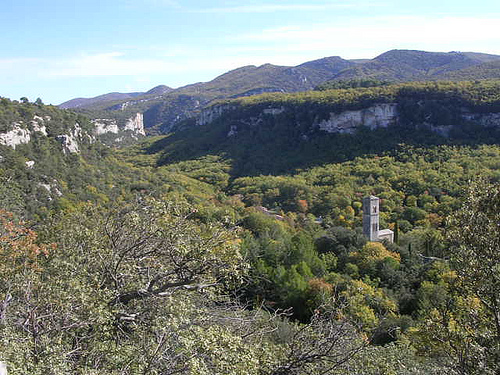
(163, 108)
(199, 253)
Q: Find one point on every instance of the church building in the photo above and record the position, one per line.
(371, 221)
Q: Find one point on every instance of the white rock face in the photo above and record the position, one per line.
(15, 137)
(136, 124)
(485, 119)
(377, 116)
(40, 128)
(70, 141)
(38, 124)
(50, 189)
(211, 114)
(273, 111)
(77, 131)
(105, 125)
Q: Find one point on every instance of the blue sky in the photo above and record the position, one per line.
(58, 50)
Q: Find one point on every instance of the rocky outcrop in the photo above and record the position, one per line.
(22, 134)
(52, 189)
(16, 136)
(211, 114)
(380, 115)
(134, 127)
(70, 141)
(376, 116)
(104, 125)
(274, 111)
(484, 119)
(136, 124)
(38, 124)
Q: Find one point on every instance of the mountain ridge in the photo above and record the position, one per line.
(164, 107)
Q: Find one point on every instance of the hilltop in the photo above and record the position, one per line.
(163, 108)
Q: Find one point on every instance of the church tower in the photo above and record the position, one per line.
(371, 218)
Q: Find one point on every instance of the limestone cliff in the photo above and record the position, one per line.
(104, 125)
(22, 132)
(136, 124)
(379, 115)
(115, 131)
(16, 136)
(376, 116)
(70, 141)
(212, 113)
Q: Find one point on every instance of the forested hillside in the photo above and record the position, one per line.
(277, 133)
(211, 252)
(164, 108)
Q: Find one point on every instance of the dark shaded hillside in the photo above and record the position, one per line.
(259, 143)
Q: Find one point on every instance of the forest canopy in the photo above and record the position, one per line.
(172, 257)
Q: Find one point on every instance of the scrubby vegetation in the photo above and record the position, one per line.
(177, 256)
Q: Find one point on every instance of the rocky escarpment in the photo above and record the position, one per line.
(116, 132)
(105, 125)
(22, 132)
(484, 119)
(135, 124)
(16, 136)
(71, 136)
(376, 116)
(70, 141)
(379, 115)
(210, 114)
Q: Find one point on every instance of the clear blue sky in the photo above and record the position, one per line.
(60, 49)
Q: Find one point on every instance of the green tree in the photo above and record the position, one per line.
(475, 236)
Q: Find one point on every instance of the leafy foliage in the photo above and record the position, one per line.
(184, 260)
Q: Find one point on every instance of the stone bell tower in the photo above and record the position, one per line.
(370, 217)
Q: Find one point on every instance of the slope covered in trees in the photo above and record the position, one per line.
(170, 256)
(277, 133)
(164, 109)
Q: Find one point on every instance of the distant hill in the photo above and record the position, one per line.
(159, 90)
(87, 102)
(408, 65)
(163, 108)
(487, 70)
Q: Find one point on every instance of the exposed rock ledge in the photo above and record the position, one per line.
(376, 116)
(105, 125)
(70, 141)
(16, 136)
(211, 114)
(381, 115)
(135, 124)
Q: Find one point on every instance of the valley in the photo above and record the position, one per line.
(216, 228)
